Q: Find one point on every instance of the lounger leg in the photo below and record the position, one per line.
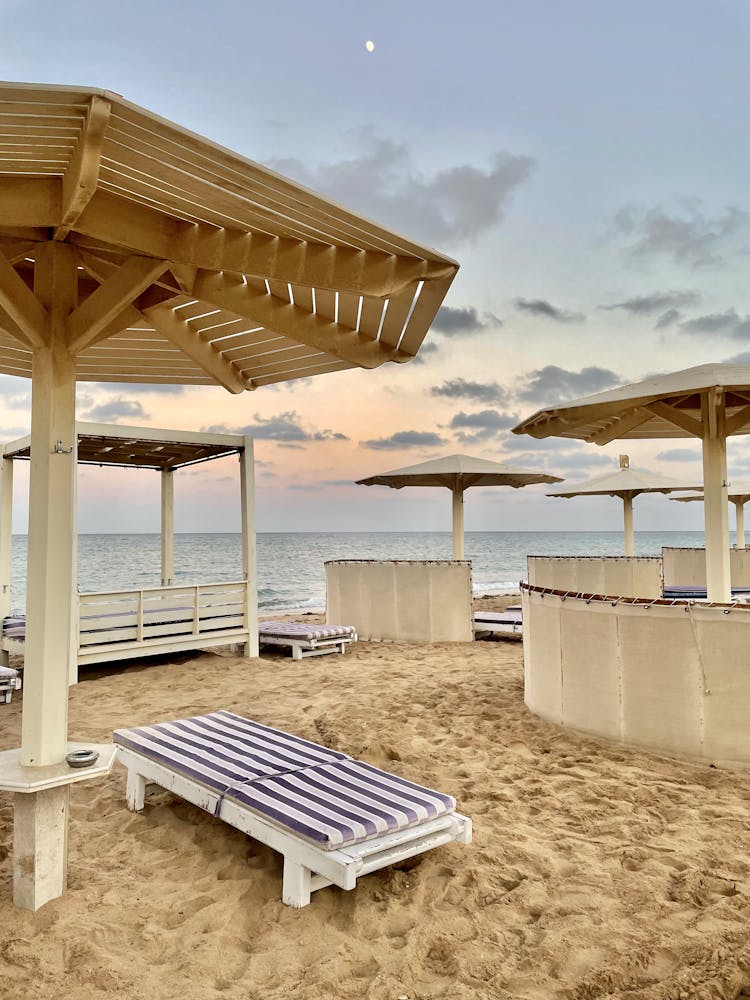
(296, 651)
(135, 791)
(296, 887)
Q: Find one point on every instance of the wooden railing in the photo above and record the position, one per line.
(121, 624)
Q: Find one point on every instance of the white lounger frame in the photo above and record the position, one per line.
(306, 866)
(7, 686)
(302, 647)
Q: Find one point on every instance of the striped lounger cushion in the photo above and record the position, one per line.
(300, 630)
(319, 794)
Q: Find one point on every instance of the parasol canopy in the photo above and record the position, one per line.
(708, 402)
(738, 494)
(458, 473)
(626, 483)
(134, 250)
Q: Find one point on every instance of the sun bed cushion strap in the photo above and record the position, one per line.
(301, 630)
(222, 750)
(342, 803)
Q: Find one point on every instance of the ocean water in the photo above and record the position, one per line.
(291, 574)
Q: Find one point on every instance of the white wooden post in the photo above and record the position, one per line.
(6, 541)
(75, 611)
(41, 818)
(167, 527)
(739, 507)
(716, 501)
(249, 546)
(458, 523)
(627, 516)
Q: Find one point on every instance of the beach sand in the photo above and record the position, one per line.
(596, 871)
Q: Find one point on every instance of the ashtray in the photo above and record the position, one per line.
(81, 758)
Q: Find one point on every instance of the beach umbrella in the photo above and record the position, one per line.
(133, 250)
(625, 483)
(457, 473)
(738, 494)
(708, 402)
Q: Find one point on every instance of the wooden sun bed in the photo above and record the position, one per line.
(332, 818)
(10, 681)
(506, 623)
(307, 640)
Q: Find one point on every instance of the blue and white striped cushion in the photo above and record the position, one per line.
(222, 749)
(342, 803)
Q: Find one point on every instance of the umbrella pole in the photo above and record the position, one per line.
(40, 818)
(458, 523)
(716, 506)
(739, 507)
(167, 527)
(627, 514)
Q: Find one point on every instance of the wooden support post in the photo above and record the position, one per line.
(167, 527)
(715, 496)
(40, 839)
(458, 523)
(627, 516)
(6, 541)
(249, 553)
(739, 507)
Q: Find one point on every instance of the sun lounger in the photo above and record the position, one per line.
(697, 593)
(332, 818)
(307, 640)
(10, 681)
(506, 623)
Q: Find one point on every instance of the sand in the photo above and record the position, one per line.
(596, 870)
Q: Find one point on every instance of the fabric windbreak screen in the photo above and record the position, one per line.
(626, 576)
(411, 601)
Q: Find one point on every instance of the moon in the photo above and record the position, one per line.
(369, 46)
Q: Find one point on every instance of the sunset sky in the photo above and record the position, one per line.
(584, 163)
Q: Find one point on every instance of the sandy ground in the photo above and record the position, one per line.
(596, 871)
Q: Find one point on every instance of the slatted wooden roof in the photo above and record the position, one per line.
(140, 447)
(665, 406)
(195, 265)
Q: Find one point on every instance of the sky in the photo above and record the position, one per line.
(586, 164)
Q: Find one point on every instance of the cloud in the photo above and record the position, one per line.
(540, 307)
(679, 455)
(551, 384)
(337, 482)
(480, 392)
(482, 425)
(451, 206)
(117, 409)
(667, 319)
(738, 359)
(286, 429)
(307, 487)
(147, 387)
(561, 461)
(686, 236)
(728, 323)
(463, 321)
(425, 351)
(647, 305)
(405, 439)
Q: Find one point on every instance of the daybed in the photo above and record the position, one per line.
(10, 681)
(306, 640)
(333, 818)
(506, 623)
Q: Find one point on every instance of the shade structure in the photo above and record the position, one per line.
(708, 402)
(133, 250)
(738, 494)
(626, 483)
(458, 473)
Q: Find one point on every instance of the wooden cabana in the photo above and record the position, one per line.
(133, 250)
(118, 625)
(625, 483)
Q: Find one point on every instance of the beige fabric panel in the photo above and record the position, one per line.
(542, 663)
(636, 576)
(671, 677)
(661, 689)
(687, 567)
(397, 600)
(591, 698)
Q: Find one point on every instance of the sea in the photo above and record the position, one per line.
(291, 574)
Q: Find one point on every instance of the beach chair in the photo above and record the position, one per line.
(10, 681)
(306, 640)
(508, 623)
(333, 818)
